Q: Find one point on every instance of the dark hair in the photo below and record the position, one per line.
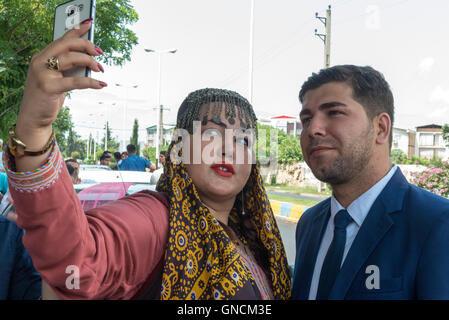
(71, 160)
(192, 107)
(131, 148)
(105, 156)
(70, 169)
(369, 88)
(117, 155)
(164, 153)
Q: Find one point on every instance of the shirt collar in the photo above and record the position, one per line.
(359, 208)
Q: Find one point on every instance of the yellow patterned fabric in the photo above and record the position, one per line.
(201, 261)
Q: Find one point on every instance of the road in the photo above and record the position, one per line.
(312, 197)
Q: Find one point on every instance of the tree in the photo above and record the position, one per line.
(445, 130)
(290, 150)
(113, 145)
(135, 136)
(150, 153)
(62, 125)
(26, 28)
(76, 148)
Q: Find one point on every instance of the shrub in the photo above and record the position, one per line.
(434, 179)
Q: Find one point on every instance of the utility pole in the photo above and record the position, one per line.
(327, 55)
(326, 37)
(160, 131)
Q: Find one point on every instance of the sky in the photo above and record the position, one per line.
(406, 40)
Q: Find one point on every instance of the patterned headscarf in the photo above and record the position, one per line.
(201, 261)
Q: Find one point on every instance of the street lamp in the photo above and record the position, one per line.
(107, 125)
(159, 131)
(125, 110)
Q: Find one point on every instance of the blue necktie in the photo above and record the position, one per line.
(334, 256)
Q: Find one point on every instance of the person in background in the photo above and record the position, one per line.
(19, 280)
(377, 236)
(105, 159)
(73, 173)
(134, 162)
(118, 160)
(157, 173)
(162, 157)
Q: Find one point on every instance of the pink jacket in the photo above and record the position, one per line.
(114, 247)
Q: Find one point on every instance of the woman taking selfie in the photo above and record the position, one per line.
(208, 234)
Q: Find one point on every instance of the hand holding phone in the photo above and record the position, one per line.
(68, 16)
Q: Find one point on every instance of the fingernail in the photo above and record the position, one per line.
(99, 50)
(100, 67)
(103, 84)
(87, 21)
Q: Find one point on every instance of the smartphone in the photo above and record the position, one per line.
(69, 15)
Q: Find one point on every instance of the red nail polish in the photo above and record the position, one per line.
(100, 67)
(99, 50)
(103, 84)
(87, 21)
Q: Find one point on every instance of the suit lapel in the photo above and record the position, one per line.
(313, 241)
(373, 229)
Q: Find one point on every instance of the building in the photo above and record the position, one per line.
(152, 134)
(404, 140)
(431, 145)
(288, 124)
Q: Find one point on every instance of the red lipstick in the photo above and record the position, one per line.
(224, 169)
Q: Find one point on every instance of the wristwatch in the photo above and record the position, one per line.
(18, 149)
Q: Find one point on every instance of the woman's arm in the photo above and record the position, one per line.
(105, 253)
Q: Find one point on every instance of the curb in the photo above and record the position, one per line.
(291, 212)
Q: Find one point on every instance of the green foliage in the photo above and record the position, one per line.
(150, 153)
(445, 130)
(113, 144)
(436, 180)
(135, 136)
(288, 146)
(26, 28)
(290, 150)
(398, 156)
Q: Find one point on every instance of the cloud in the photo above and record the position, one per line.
(439, 94)
(426, 64)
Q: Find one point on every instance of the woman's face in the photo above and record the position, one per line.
(224, 166)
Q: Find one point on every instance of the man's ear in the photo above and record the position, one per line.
(382, 124)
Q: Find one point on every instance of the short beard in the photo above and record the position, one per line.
(346, 167)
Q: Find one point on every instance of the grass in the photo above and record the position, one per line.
(296, 190)
(307, 203)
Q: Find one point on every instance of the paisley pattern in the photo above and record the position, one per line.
(201, 261)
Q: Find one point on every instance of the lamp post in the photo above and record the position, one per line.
(125, 110)
(159, 131)
(107, 125)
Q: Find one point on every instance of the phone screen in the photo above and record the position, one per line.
(69, 15)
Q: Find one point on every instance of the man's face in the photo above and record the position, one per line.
(106, 161)
(338, 138)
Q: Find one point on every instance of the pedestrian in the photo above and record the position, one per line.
(135, 163)
(209, 233)
(157, 173)
(105, 159)
(118, 160)
(377, 236)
